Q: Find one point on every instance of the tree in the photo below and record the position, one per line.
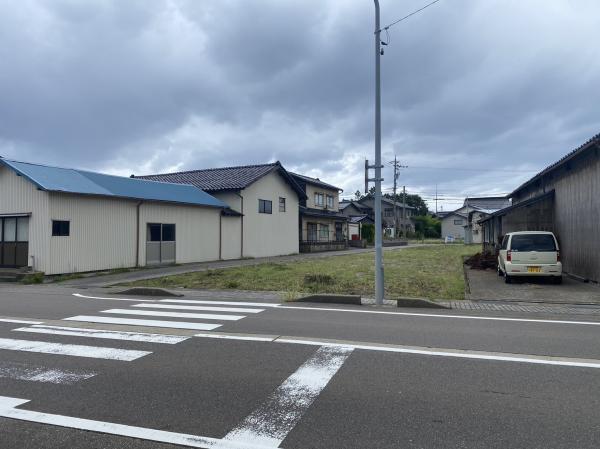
(428, 226)
(357, 195)
(412, 200)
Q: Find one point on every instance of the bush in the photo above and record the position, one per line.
(33, 278)
(368, 233)
(232, 284)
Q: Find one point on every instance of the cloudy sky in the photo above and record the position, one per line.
(477, 95)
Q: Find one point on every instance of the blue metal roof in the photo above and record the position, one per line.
(69, 180)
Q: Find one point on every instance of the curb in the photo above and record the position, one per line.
(332, 299)
(420, 303)
(143, 291)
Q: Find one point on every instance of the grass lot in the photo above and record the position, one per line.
(427, 272)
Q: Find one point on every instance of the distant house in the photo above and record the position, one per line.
(563, 198)
(401, 213)
(266, 196)
(61, 220)
(453, 224)
(322, 226)
(355, 226)
(351, 208)
(478, 208)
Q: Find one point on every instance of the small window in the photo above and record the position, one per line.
(168, 233)
(281, 204)
(265, 207)
(458, 222)
(60, 228)
(330, 201)
(319, 199)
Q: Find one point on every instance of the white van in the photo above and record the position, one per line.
(529, 253)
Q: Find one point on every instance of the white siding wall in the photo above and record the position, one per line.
(451, 229)
(102, 233)
(19, 196)
(231, 238)
(270, 234)
(196, 230)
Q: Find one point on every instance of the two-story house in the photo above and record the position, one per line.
(266, 197)
(392, 213)
(321, 226)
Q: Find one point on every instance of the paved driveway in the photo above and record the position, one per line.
(486, 285)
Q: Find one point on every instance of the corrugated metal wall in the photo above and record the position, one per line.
(19, 196)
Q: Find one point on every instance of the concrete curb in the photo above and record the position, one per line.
(420, 303)
(332, 299)
(144, 291)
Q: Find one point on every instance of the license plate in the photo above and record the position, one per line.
(534, 269)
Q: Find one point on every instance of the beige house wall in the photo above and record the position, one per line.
(330, 222)
(310, 193)
(270, 234)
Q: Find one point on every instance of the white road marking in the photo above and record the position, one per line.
(205, 308)
(278, 415)
(10, 320)
(94, 352)
(433, 315)
(234, 337)
(458, 353)
(237, 303)
(102, 333)
(8, 410)
(192, 316)
(113, 299)
(146, 323)
(21, 371)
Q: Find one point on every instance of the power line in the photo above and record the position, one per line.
(407, 16)
(422, 167)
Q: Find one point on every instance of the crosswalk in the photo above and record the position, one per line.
(186, 315)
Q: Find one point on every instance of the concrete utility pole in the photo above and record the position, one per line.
(397, 168)
(379, 285)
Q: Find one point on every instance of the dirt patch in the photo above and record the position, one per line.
(482, 261)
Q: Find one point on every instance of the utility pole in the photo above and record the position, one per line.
(397, 168)
(379, 284)
(436, 211)
(404, 204)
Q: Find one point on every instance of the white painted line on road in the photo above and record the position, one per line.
(106, 334)
(8, 410)
(433, 315)
(94, 352)
(234, 337)
(278, 415)
(204, 308)
(113, 299)
(192, 316)
(10, 320)
(20, 371)
(146, 323)
(458, 353)
(237, 303)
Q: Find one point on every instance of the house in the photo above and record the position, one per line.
(351, 208)
(389, 210)
(453, 224)
(355, 226)
(321, 226)
(60, 220)
(478, 208)
(265, 195)
(563, 198)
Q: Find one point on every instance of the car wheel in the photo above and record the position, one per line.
(499, 271)
(557, 279)
(507, 279)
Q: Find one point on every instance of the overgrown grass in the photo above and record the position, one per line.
(427, 272)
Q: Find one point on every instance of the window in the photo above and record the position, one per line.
(532, 242)
(265, 207)
(388, 212)
(60, 228)
(311, 231)
(458, 222)
(324, 232)
(319, 199)
(168, 233)
(330, 201)
(504, 242)
(281, 204)
(154, 232)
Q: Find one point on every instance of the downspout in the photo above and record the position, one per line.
(221, 235)
(242, 225)
(137, 235)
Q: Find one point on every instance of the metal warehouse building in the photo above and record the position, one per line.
(59, 220)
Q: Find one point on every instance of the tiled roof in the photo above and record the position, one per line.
(491, 202)
(69, 180)
(316, 181)
(594, 141)
(225, 178)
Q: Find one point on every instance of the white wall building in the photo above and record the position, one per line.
(59, 220)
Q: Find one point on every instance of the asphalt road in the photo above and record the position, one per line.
(91, 374)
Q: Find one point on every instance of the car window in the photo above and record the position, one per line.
(532, 242)
(504, 242)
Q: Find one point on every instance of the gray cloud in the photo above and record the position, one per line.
(143, 86)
